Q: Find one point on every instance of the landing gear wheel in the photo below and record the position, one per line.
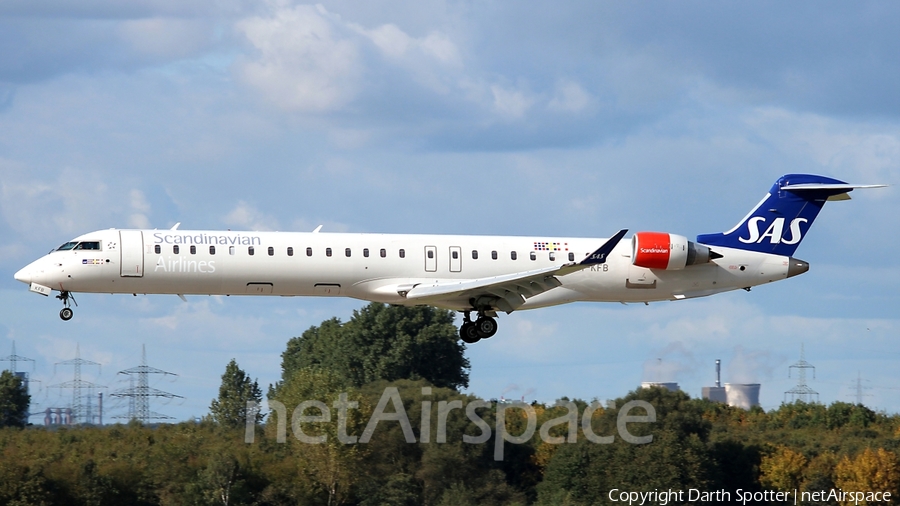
(468, 333)
(485, 327)
(66, 313)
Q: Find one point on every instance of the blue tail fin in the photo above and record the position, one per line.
(781, 219)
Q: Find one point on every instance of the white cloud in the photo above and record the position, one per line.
(441, 48)
(140, 208)
(392, 41)
(432, 62)
(397, 44)
(71, 204)
(849, 149)
(248, 217)
(671, 363)
(303, 63)
(511, 103)
(569, 96)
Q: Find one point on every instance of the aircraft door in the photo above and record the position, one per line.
(455, 259)
(430, 258)
(131, 250)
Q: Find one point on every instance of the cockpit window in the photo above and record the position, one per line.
(88, 245)
(82, 245)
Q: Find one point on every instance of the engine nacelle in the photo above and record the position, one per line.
(659, 250)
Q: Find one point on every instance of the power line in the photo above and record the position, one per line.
(14, 359)
(802, 391)
(139, 395)
(81, 410)
(858, 387)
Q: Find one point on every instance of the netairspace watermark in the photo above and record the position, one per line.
(693, 495)
(391, 395)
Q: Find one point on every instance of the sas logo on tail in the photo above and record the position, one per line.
(774, 232)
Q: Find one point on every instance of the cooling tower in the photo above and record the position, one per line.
(715, 394)
(742, 395)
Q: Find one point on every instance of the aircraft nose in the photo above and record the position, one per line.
(24, 275)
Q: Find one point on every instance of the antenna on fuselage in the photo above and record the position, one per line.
(316, 231)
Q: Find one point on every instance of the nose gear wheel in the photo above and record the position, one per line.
(66, 312)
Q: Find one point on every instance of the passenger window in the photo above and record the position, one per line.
(474, 255)
(366, 252)
(309, 252)
(383, 253)
(328, 252)
(157, 249)
(430, 254)
(231, 250)
(402, 253)
(513, 255)
(193, 250)
(250, 250)
(493, 255)
(175, 249)
(552, 256)
(347, 252)
(455, 255)
(212, 250)
(571, 256)
(271, 251)
(290, 251)
(532, 255)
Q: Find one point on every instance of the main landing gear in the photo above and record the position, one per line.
(483, 328)
(66, 312)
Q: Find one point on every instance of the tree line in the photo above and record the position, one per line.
(415, 352)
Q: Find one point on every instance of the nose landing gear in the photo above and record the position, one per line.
(483, 328)
(66, 312)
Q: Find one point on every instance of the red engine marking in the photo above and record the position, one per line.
(652, 250)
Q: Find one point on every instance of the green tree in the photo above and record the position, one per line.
(870, 470)
(230, 409)
(782, 469)
(333, 463)
(14, 401)
(678, 457)
(382, 342)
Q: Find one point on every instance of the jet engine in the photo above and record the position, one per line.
(659, 250)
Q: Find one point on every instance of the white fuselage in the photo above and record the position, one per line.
(374, 267)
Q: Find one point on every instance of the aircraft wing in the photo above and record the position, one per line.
(509, 291)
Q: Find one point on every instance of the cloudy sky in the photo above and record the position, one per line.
(431, 116)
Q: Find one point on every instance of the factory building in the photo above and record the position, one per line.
(739, 395)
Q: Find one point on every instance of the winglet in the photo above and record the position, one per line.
(599, 256)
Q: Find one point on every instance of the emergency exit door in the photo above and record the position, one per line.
(455, 259)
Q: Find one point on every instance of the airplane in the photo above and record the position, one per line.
(465, 273)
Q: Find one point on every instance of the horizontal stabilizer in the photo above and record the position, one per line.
(843, 187)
